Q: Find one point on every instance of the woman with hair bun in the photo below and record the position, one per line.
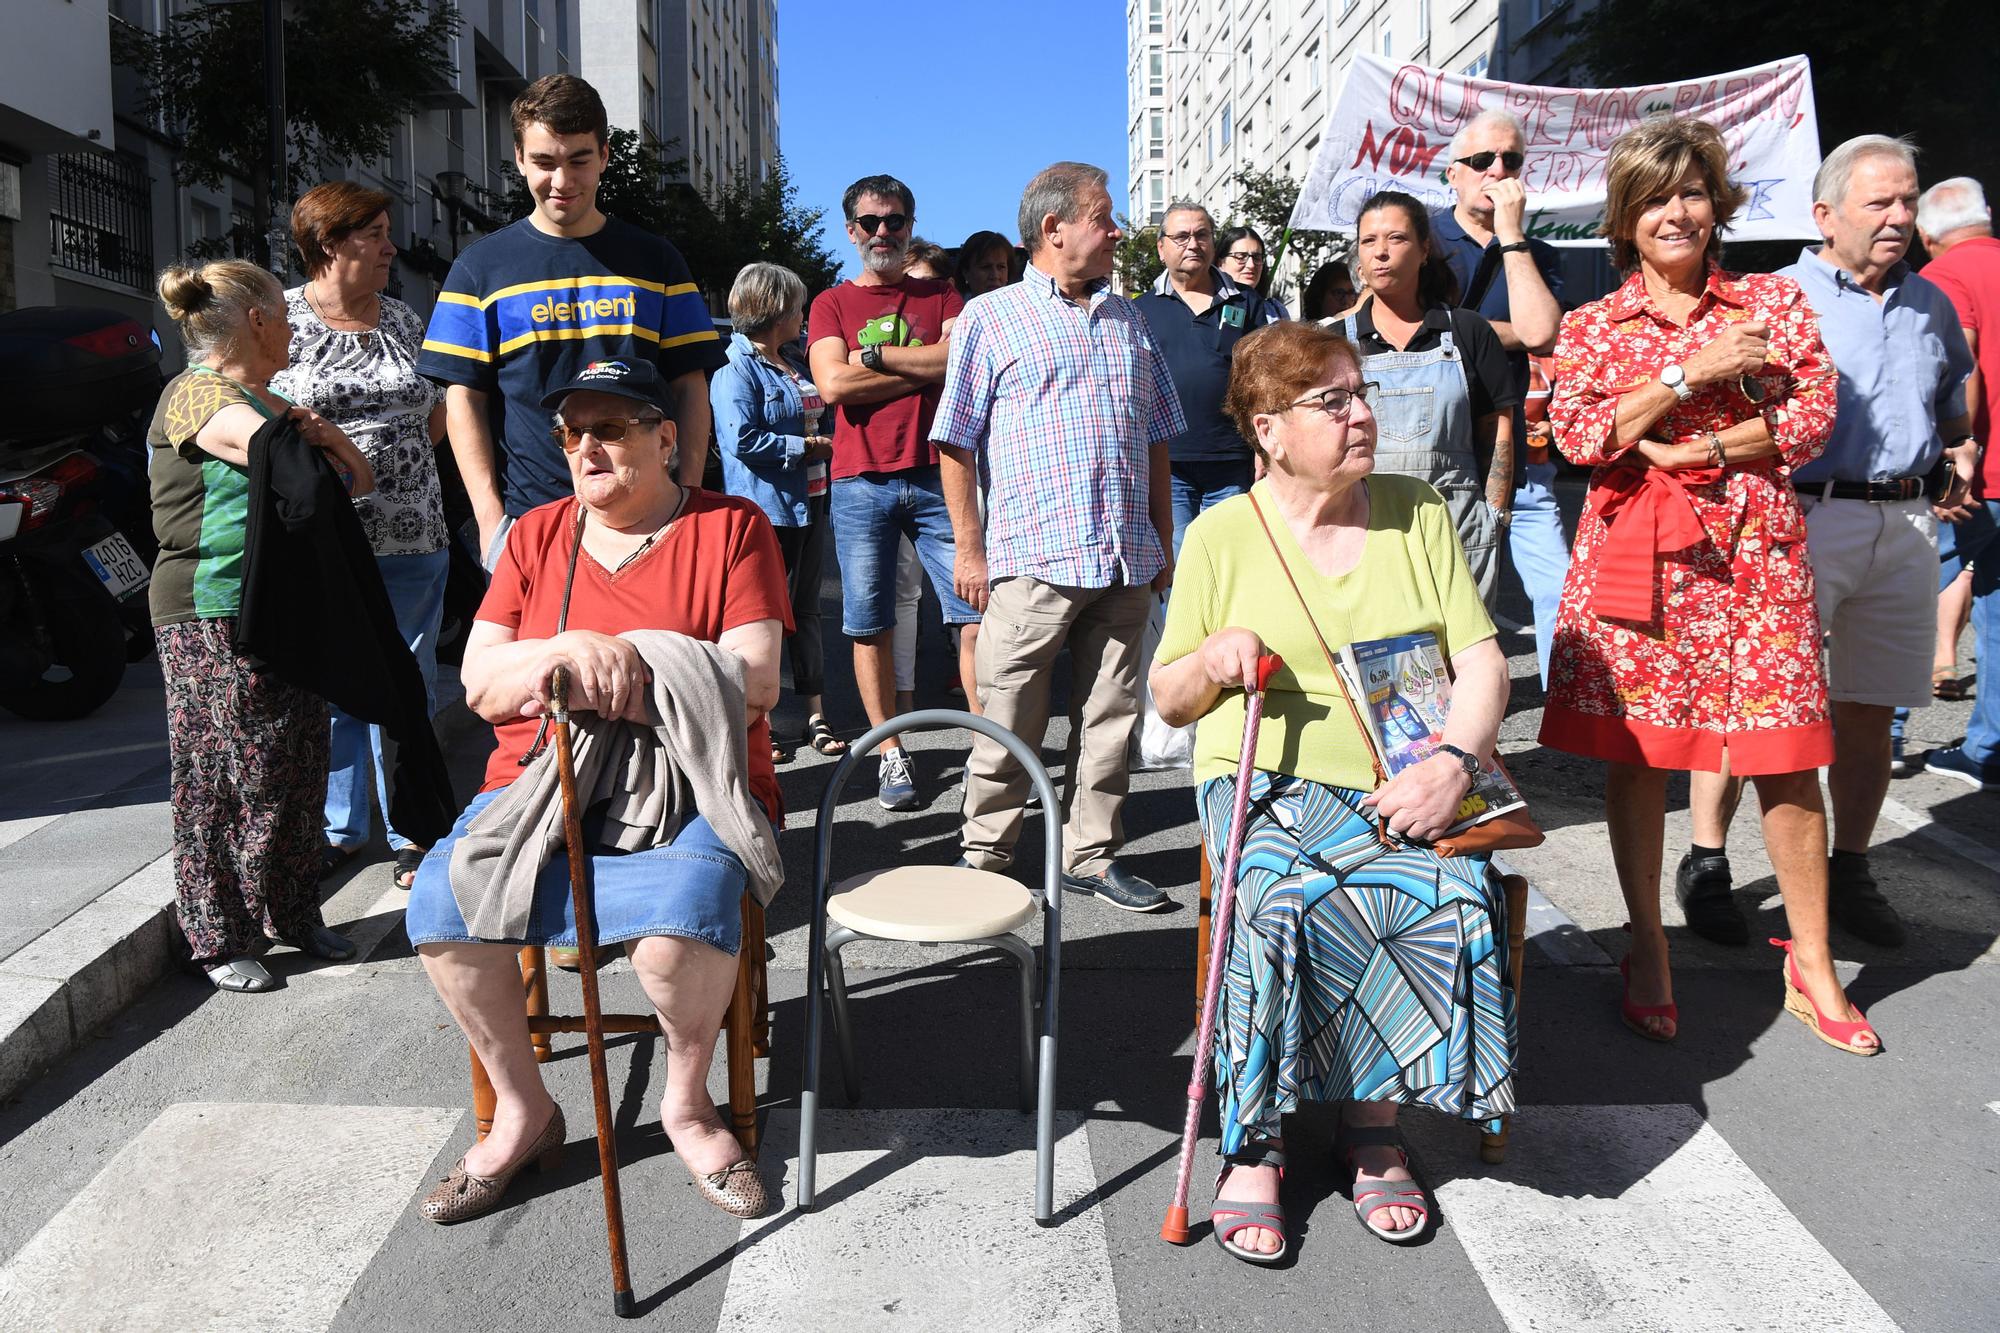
(248, 750)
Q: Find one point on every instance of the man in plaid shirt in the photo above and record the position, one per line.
(1057, 398)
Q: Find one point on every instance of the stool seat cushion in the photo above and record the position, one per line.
(931, 904)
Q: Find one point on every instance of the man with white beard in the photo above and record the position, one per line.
(877, 345)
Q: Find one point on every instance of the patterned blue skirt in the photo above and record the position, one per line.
(1355, 971)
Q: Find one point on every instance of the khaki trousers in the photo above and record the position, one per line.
(1027, 622)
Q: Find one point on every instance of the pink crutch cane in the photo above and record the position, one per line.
(1175, 1228)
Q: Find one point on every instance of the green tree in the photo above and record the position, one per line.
(353, 70)
(763, 221)
(1264, 200)
(1138, 262)
(1877, 69)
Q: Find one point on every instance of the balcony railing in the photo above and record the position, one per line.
(101, 218)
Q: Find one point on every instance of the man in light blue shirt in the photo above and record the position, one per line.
(1871, 500)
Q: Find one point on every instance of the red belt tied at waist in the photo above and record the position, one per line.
(1646, 511)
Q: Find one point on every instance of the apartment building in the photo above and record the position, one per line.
(699, 73)
(1219, 86)
(90, 211)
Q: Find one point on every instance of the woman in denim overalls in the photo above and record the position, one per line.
(1434, 410)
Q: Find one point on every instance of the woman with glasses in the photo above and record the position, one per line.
(1241, 254)
(1360, 968)
(1445, 411)
(631, 550)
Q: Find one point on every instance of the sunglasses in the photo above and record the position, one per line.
(1481, 161)
(610, 431)
(868, 222)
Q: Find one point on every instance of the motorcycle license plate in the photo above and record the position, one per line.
(117, 564)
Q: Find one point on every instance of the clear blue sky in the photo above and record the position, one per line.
(971, 102)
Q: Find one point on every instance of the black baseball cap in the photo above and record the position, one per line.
(628, 377)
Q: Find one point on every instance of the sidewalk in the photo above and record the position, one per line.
(86, 876)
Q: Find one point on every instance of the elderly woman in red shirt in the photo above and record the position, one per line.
(1688, 633)
(633, 550)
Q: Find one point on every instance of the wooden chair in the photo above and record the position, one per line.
(1492, 1146)
(746, 1028)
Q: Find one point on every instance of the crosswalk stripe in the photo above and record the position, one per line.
(227, 1215)
(1642, 1217)
(925, 1221)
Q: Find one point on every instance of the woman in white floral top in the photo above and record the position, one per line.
(353, 360)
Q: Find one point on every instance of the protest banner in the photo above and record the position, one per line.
(1393, 124)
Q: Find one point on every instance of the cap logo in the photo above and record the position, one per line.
(599, 370)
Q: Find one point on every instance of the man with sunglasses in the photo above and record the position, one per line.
(877, 345)
(1515, 284)
(1198, 313)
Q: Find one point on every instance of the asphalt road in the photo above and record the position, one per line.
(251, 1162)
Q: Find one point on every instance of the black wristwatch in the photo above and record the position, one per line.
(1518, 247)
(1467, 761)
(871, 357)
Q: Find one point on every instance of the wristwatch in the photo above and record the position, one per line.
(1676, 379)
(1467, 761)
(871, 357)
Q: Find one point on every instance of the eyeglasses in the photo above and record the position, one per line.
(1481, 161)
(1336, 402)
(610, 431)
(868, 222)
(1246, 256)
(1184, 239)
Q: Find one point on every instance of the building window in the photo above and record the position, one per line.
(651, 97)
(1314, 74)
(1226, 124)
(1156, 140)
(1210, 143)
(1477, 69)
(1156, 203)
(101, 218)
(1156, 17)
(1156, 75)
(1388, 41)
(562, 27)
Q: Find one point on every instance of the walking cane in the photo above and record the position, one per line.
(622, 1303)
(1174, 1229)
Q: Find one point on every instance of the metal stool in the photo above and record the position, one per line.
(936, 905)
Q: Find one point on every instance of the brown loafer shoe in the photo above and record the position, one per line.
(461, 1196)
(737, 1190)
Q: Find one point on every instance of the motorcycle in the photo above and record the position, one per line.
(76, 541)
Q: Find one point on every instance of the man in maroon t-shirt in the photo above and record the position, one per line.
(877, 345)
(1957, 228)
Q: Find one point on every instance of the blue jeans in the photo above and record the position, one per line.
(1975, 545)
(1202, 486)
(416, 592)
(1540, 551)
(872, 513)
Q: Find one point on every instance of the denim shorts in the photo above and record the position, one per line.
(872, 513)
(692, 888)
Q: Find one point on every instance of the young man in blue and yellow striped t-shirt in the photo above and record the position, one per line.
(535, 302)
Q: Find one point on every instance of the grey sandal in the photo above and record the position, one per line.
(245, 975)
(1374, 1196)
(1229, 1216)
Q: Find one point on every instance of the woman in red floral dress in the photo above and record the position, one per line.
(1688, 631)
